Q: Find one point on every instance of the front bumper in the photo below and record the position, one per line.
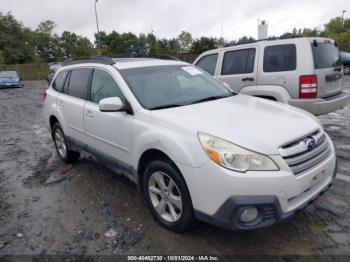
(219, 195)
(270, 211)
(320, 106)
(17, 85)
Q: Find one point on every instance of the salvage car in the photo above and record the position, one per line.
(305, 72)
(195, 149)
(10, 79)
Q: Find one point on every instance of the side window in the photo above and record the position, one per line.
(79, 83)
(208, 63)
(238, 62)
(280, 58)
(104, 86)
(58, 84)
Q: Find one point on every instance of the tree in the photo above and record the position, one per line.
(203, 44)
(14, 40)
(185, 40)
(246, 40)
(46, 27)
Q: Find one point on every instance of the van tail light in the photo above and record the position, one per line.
(308, 86)
(45, 95)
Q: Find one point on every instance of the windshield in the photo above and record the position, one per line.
(326, 55)
(169, 86)
(5, 74)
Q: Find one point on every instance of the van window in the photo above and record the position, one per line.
(238, 62)
(79, 83)
(104, 86)
(279, 58)
(58, 84)
(208, 63)
(326, 55)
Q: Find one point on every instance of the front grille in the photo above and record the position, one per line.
(306, 152)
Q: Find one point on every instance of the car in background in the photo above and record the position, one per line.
(346, 62)
(10, 79)
(304, 72)
(53, 69)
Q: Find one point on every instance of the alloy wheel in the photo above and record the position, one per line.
(60, 143)
(165, 196)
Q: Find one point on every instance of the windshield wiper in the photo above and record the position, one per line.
(165, 106)
(210, 98)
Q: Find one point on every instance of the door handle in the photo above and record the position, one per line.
(248, 79)
(89, 114)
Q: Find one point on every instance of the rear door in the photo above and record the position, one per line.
(238, 68)
(71, 104)
(328, 67)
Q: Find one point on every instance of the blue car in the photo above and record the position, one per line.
(10, 79)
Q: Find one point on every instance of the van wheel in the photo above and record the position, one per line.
(167, 196)
(61, 145)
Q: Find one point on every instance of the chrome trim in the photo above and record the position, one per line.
(306, 152)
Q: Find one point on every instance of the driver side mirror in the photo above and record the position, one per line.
(111, 104)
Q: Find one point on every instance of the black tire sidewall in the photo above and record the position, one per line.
(186, 218)
(55, 127)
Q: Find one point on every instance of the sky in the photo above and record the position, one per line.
(231, 19)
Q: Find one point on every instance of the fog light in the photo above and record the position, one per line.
(249, 214)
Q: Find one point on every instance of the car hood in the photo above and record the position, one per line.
(253, 123)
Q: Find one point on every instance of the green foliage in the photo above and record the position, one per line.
(19, 44)
(203, 44)
(185, 40)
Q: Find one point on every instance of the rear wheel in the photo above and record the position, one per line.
(167, 196)
(61, 145)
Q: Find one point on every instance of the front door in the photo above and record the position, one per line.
(108, 133)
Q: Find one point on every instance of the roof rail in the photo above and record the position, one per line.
(291, 36)
(93, 59)
(142, 55)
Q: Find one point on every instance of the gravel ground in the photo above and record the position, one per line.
(48, 207)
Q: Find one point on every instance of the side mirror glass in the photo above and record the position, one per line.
(111, 104)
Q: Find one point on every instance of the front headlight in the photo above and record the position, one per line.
(234, 157)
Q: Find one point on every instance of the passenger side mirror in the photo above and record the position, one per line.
(111, 104)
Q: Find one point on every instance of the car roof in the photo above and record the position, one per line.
(266, 42)
(124, 63)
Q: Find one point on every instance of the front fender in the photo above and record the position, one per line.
(179, 147)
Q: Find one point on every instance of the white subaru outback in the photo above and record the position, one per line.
(194, 148)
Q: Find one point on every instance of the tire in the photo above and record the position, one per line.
(174, 194)
(62, 148)
(346, 70)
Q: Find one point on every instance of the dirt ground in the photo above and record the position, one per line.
(48, 207)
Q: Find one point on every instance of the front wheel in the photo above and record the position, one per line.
(167, 196)
(346, 70)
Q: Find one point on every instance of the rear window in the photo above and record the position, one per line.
(238, 62)
(58, 84)
(79, 83)
(208, 63)
(326, 55)
(280, 58)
